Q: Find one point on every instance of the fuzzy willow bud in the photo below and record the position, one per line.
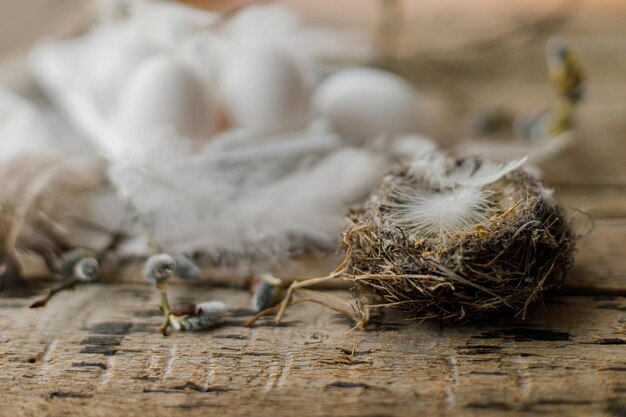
(267, 293)
(87, 269)
(207, 315)
(159, 268)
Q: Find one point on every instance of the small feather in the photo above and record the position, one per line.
(476, 174)
(432, 214)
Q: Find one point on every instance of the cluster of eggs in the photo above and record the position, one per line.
(264, 88)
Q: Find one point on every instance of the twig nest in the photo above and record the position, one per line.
(453, 240)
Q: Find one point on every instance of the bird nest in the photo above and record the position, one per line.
(449, 240)
(499, 266)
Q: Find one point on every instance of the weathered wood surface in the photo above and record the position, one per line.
(600, 260)
(95, 351)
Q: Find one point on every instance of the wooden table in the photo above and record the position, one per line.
(94, 351)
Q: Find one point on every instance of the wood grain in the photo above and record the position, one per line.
(94, 352)
(96, 349)
(600, 265)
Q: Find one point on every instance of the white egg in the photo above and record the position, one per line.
(265, 89)
(112, 62)
(362, 103)
(165, 93)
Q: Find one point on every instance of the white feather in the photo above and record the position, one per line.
(432, 214)
(447, 197)
(474, 173)
(260, 199)
(440, 171)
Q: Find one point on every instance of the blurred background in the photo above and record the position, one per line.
(465, 56)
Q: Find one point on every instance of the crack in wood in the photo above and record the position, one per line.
(490, 405)
(347, 384)
(524, 334)
(99, 350)
(105, 337)
(613, 306)
(354, 352)
(112, 328)
(89, 365)
(231, 336)
(607, 341)
(195, 387)
(102, 341)
(189, 386)
(479, 350)
(62, 394)
(192, 406)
